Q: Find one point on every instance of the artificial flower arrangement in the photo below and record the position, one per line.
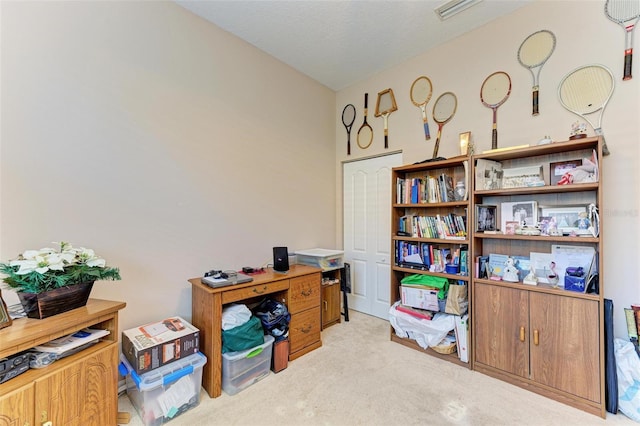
(37, 271)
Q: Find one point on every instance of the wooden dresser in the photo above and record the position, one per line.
(81, 389)
(299, 290)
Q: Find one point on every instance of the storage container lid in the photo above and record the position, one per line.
(319, 252)
(164, 375)
(250, 353)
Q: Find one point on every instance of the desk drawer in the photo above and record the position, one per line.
(304, 293)
(304, 329)
(254, 291)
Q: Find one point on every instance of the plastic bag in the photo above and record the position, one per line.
(425, 332)
(245, 336)
(235, 315)
(628, 369)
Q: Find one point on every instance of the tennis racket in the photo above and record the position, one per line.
(348, 117)
(494, 92)
(532, 54)
(420, 93)
(365, 132)
(585, 91)
(385, 105)
(626, 14)
(443, 110)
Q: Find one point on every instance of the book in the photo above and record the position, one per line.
(632, 327)
(415, 312)
(462, 336)
(497, 263)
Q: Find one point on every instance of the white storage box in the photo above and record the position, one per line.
(421, 297)
(166, 392)
(243, 368)
(321, 258)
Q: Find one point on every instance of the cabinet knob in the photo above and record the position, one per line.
(522, 334)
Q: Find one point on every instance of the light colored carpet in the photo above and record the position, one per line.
(360, 377)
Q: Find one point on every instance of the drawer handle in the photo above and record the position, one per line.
(255, 290)
(306, 330)
(522, 334)
(306, 293)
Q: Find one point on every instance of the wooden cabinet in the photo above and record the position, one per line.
(431, 225)
(80, 389)
(330, 306)
(541, 337)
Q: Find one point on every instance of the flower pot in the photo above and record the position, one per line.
(52, 302)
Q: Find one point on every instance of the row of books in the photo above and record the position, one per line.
(447, 226)
(424, 255)
(429, 189)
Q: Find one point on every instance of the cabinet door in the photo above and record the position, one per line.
(566, 355)
(330, 304)
(16, 408)
(501, 320)
(82, 394)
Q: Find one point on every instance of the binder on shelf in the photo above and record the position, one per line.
(462, 336)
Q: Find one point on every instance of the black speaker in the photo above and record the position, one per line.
(280, 259)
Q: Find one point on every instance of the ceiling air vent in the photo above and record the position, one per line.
(453, 7)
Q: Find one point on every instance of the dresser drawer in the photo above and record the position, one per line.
(254, 291)
(304, 329)
(304, 293)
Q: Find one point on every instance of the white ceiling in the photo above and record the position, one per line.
(339, 43)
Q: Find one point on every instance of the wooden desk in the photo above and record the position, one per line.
(299, 290)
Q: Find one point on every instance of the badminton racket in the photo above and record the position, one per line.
(443, 110)
(532, 54)
(626, 14)
(348, 117)
(494, 92)
(420, 93)
(586, 91)
(365, 132)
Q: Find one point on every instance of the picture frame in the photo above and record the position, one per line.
(5, 318)
(510, 227)
(523, 212)
(465, 140)
(486, 217)
(560, 168)
(566, 217)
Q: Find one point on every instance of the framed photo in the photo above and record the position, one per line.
(566, 218)
(465, 140)
(5, 319)
(523, 212)
(486, 219)
(510, 227)
(557, 170)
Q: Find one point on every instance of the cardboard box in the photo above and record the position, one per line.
(155, 344)
(420, 297)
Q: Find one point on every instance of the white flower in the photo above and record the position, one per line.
(38, 264)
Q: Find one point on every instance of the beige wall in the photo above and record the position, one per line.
(162, 142)
(584, 36)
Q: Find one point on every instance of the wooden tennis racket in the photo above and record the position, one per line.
(532, 54)
(365, 132)
(494, 92)
(348, 117)
(420, 94)
(443, 111)
(385, 105)
(586, 91)
(625, 13)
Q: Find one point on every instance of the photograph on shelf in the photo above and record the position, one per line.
(486, 217)
(488, 174)
(559, 169)
(568, 219)
(544, 267)
(523, 212)
(510, 227)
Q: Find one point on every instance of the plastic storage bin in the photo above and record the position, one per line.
(243, 368)
(321, 258)
(166, 392)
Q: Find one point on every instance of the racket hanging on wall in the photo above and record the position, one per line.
(532, 54)
(625, 13)
(494, 92)
(365, 132)
(385, 105)
(586, 91)
(420, 94)
(443, 111)
(348, 117)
